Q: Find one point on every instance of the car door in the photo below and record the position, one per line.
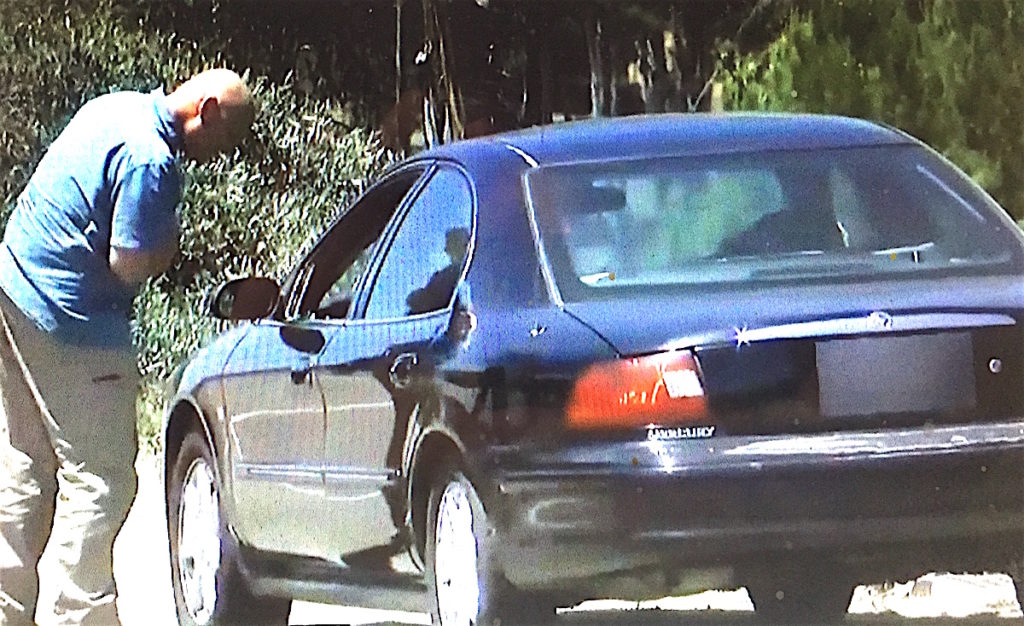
(377, 372)
(275, 423)
(274, 402)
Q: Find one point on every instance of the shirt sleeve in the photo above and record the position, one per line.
(145, 203)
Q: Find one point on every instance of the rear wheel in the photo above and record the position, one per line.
(1018, 584)
(801, 593)
(208, 587)
(1017, 574)
(465, 582)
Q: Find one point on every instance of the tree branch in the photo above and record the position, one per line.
(693, 104)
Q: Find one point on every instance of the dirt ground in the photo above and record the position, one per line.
(142, 571)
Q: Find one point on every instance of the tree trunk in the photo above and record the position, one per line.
(673, 69)
(547, 88)
(398, 50)
(598, 88)
(444, 94)
(614, 86)
(539, 85)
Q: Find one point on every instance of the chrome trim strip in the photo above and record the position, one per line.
(282, 471)
(297, 471)
(877, 322)
(336, 472)
(532, 162)
(918, 527)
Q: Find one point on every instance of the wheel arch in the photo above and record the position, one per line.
(436, 451)
(183, 418)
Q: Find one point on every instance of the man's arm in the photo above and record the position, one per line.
(144, 230)
(133, 267)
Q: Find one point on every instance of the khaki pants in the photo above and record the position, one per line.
(67, 449)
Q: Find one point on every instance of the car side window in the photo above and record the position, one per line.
(321, 287)
(429, 251)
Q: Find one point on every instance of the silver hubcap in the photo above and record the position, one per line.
(199, 541)
(455, 559)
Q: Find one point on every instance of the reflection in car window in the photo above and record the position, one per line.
(338, 299)
(782, 215)
(322, 286)
(427, 256)
(718, 204)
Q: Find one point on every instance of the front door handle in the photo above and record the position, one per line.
(401, 369)
(302, 375)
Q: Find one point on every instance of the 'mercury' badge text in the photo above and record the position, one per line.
(658, 433)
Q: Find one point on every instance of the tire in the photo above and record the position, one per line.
(800, 594)
(209, 589)
(1016, 571)
(1018, 586)
(466, 584)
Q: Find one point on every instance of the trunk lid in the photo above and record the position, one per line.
(817, 358)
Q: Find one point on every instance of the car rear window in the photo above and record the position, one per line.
(765, 216)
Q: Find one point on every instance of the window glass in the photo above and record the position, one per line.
(782, 215)
(322, 286)
(428, 253)
(647, 232)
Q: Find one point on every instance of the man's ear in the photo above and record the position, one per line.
(209, 110)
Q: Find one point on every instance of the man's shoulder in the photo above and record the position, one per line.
(127, 119)
(111, 106)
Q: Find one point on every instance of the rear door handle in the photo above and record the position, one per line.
(401, 369)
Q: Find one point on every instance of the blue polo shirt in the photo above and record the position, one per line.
(109, 179)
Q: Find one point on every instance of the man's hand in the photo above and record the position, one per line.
(133, 267)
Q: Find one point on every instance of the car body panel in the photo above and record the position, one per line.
(691, 498)
(368, 420)
(275, 448)
(680, 320)
(679, 135)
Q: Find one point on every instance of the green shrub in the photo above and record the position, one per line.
(54, 56)
(944, 73)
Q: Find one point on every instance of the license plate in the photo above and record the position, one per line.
(915, 373)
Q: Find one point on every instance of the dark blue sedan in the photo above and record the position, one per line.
(628, 357)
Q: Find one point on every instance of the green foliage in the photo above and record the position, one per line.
(253, 214)
(249, 213)
(56, 55)
(946, 74)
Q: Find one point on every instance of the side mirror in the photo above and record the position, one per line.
(245, 299)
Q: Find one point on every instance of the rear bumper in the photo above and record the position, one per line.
(935, 495)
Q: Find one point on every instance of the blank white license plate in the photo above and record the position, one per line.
(914, 373)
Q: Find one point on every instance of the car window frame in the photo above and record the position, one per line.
(368, 281)
(294, 292)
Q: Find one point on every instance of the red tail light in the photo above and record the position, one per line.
(660, 389)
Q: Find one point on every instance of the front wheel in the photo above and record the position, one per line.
(208, 587)
(466, 584)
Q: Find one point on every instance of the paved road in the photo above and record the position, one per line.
(142, 570)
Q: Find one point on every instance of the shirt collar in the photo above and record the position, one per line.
(165, 122)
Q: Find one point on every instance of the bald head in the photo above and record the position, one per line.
(215, 111)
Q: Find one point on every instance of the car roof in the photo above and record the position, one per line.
(672, 134)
